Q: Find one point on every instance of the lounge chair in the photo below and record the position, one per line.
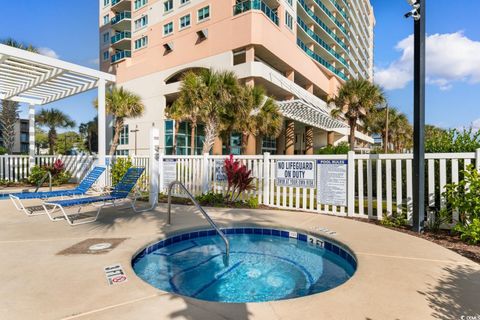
(80, 190)
(119, 193)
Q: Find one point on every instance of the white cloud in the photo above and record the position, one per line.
(95, 62)
(476, 124)
(48, 52)
(450, 57)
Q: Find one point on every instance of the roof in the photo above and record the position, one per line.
(37, 79)
(304, 112)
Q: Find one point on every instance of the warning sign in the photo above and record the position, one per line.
(115, 274)
(295, 173)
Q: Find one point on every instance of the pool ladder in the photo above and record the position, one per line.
(199, 207)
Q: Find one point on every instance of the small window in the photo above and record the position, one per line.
(167, 28)
(288, 20)
(140, 3)
(168, 5)
(106, 3)
(123, 135)
(106, 55)
(142, 42)
(185, 21)
(106, 19)
(203, 13)
(142, 22)
(182, 2)
(106, 37)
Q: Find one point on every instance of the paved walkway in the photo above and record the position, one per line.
(398, 276)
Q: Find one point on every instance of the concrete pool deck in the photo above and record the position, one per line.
(398, 277)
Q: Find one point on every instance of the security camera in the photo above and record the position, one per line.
(414, 14)
(412, 2)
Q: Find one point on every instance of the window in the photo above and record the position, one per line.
(168, 5)
(269, 144)
(106, 37)
(185, 21)
(140, 3)
(121, 152)
(123, 135)
(288, 20)
(106, 19)
(106, 55)
(24, 148)
(142, 22)
(182, 2)
(106, 3)
(23, 137)
(203, 13)
(183, 137)
(142, 42)
(167, 28)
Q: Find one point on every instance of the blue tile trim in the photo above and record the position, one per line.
(329, 246)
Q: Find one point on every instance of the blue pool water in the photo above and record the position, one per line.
(264, 265)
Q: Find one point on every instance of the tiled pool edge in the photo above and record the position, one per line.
(333, 246)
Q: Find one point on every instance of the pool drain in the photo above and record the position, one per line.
(100, 246)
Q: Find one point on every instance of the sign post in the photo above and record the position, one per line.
(154, 166)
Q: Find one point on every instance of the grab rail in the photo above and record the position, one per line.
(220, 232)
(49, 175)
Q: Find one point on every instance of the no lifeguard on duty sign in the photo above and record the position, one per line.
(115, 274)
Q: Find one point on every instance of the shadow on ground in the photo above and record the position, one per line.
(456, 294)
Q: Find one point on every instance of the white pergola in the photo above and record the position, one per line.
(35, 79)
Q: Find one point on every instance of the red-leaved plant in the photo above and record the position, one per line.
(239, 178)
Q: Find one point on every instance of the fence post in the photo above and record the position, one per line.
(266, 178)
(477, 159)
(205, 174)
(350, 183)
(160, 170)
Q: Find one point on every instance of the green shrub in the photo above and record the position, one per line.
(438, 218)
(469, 233)
(119, 168)
(59, 177)
(211, 199)
(395, 220)
(341, 148)
(252, 203)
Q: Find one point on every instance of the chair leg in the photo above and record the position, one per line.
(20, 207)
(49, 212)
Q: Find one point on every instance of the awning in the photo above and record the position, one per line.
(304, 112)
(36, 79)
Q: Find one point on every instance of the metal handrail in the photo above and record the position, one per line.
(49, 175)
(220, 232)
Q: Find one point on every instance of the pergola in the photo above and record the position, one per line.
(35, 79)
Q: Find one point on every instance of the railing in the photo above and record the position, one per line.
(120, 36)
(121, 55)
(120, 16)
(320, 60)
(248, 5)
(199, 207)
(49, 176)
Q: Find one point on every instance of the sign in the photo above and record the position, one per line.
(314, 241)
(115, 274)
(332, 182)
(295, 173)
(169, 171)
(220, 175)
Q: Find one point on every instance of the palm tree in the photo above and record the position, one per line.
(19, 45)
(8, 119)
(400, 133)
(257, 115)
(89, 132)
(121, 104)
(187, 106)
(355, 99)
(53, 119)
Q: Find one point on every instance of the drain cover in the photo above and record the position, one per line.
(100, 246)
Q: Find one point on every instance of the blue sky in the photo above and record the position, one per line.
(453, 88)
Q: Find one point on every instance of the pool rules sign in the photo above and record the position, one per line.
(332, 182)
(295, 173)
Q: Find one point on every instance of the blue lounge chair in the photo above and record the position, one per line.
(80, 190)
(119, 193)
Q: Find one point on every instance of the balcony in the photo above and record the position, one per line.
(121, 5)
(248, 5)
(122, 40)
(121, 55)
(122, 21)
(320, 60)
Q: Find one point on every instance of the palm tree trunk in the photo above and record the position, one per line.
(244, 142)
(353, 126)
(210, 135)
(52, 137)
(192, 137)
(116, 136)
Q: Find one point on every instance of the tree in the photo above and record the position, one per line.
(188, 105)
(8, 119)
(41, 139)
(256, 114)
(89, 134)
(53, 119)
(69, 140)
(121, 104)
(19, 45)
(355, 99)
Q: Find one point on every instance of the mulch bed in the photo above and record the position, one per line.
(442, 238)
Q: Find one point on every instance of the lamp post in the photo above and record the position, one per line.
(418, 15)
(135, 131)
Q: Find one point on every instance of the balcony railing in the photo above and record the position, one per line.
(331, 16)
(121, 36)
(120, 55)
(255, 5)
(120, 17)
(320, 60)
